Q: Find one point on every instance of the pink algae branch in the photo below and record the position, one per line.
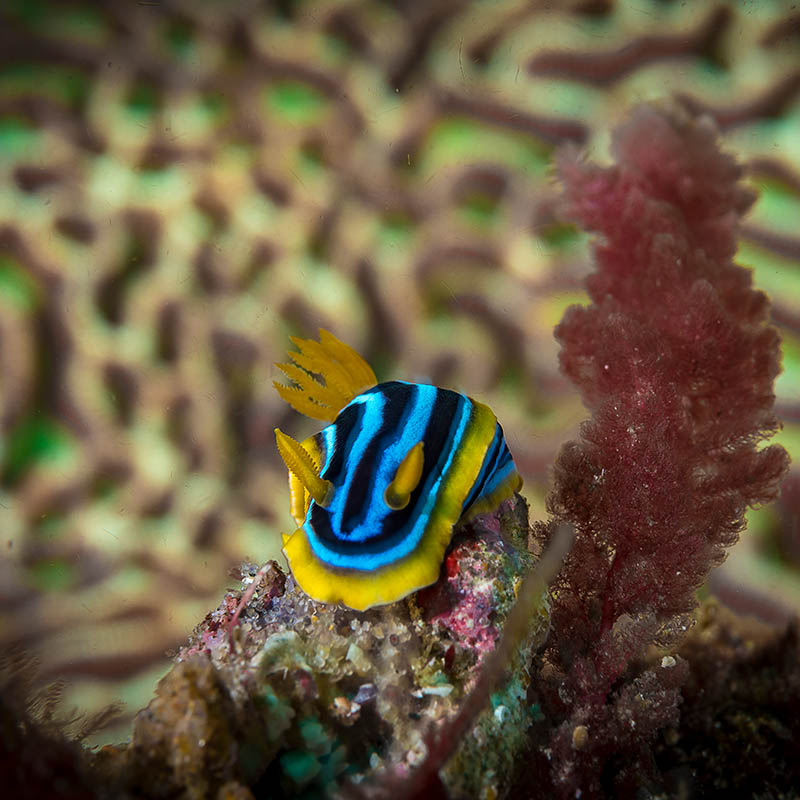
(675, 360)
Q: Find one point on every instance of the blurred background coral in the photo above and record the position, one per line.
(184, 185)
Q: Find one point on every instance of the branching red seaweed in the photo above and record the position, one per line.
(675, 360)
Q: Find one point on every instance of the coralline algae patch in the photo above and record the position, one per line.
(303, 695)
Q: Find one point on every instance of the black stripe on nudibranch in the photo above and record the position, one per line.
(438, 439)
(400, 400)
(345, 430)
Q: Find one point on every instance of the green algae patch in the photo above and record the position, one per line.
(36, 440)
(17, 288)
(53, 575)
(295, 101)
(299, 767)
(459, 139)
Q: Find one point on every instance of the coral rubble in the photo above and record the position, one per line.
(304, 696)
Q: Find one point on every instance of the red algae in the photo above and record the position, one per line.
(675, 360)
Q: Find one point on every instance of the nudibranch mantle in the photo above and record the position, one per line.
(376, 494)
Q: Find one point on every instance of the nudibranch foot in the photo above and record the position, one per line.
(377, 493)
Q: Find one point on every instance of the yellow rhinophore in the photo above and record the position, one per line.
(405, 480)
(301, 464)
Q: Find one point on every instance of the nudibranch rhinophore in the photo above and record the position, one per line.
(376, 494)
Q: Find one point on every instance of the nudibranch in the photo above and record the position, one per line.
(376, 494)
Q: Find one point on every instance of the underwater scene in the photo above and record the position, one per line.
(398, 399)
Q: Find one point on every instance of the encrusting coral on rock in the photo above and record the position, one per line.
(300, 696)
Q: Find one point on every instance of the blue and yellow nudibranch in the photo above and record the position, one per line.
(376, 494)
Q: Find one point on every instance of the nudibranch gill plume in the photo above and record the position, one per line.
(376, 494)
